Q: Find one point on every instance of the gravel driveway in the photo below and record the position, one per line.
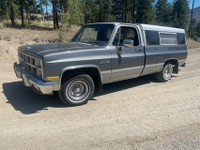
(138, 114)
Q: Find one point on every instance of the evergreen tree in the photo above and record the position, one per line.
(3, 9)
(163, 11)
(104, 11)
(74, 14)
(198, 29)
(192, 31)
(89, 10)
(144, 11)
(12, 5)
(180, 13)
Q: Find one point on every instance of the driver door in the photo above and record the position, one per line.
(127, 62)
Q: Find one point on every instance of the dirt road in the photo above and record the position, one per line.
(137, 114)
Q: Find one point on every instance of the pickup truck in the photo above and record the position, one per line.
(101, 53)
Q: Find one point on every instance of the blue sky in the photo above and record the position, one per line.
(197, 3)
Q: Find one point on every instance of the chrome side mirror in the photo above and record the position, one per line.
(128, 43)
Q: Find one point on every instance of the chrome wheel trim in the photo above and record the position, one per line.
(77, 91)
(167, 72)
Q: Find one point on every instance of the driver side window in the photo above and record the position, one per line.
(126, 33)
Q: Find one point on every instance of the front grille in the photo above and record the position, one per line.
(32, 64)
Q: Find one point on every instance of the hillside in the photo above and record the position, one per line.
(196, 14)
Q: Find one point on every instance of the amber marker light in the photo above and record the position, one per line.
(52, 78)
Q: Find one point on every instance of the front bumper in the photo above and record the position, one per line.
(32, 81)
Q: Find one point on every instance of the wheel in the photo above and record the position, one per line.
(166, 73)
(77, 90)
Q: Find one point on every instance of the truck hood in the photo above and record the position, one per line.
(45, 49)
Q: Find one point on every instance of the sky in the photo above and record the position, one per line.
(197, 3)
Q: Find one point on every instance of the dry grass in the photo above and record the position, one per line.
(12, 38)
(193, 44)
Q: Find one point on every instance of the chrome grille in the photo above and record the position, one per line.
(32, 64)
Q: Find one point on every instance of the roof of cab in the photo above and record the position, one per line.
(146, 27)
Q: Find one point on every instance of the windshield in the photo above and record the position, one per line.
(94, 34)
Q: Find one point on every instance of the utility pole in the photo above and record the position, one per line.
(191, 17)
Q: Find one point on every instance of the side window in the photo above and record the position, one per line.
(126, 33)
(181, 38)
(152, 37)
(167, 39)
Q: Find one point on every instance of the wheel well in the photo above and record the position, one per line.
(174, 62)
(92, 72)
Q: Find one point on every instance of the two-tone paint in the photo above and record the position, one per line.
(111, 66)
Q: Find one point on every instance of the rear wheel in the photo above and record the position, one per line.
(166, 73)
(77, 90)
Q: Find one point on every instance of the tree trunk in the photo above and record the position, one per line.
(47, 11)
(55, 15)
(22, 12)
(12, 15)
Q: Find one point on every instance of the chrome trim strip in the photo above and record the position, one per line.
(154, 65)
(105, 72)
(126, 69)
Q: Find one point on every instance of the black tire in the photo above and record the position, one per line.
(166, 73)
(77, 90)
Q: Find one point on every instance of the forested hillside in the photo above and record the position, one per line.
(78, 12)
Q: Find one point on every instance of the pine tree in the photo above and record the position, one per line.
(198, 29)
(74, 14)
(144, 11)
(3, 9)
(104, 11)
(12, 4)
(163, 12)
(180, 13)
(192, 30)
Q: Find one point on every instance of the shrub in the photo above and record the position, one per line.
(1, 26)
(60, 36)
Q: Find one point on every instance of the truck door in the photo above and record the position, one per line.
(127, 61)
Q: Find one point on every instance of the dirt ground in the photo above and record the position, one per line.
(138, 114)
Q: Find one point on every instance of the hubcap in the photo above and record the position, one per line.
(77, 90)
(167, 72)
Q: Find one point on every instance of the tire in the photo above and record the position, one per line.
(77, 90)
(166, 73)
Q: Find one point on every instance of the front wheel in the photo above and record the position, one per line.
(166, 73)
(77, 90)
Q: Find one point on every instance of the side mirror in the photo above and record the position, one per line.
(128, 43)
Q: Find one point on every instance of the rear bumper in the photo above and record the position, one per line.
(32, 81)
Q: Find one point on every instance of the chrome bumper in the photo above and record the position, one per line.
(32, 81)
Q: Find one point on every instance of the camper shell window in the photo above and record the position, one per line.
(181, 38)
(168, 38)
(152, 37)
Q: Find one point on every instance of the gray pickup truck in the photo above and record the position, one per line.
(98, 54)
